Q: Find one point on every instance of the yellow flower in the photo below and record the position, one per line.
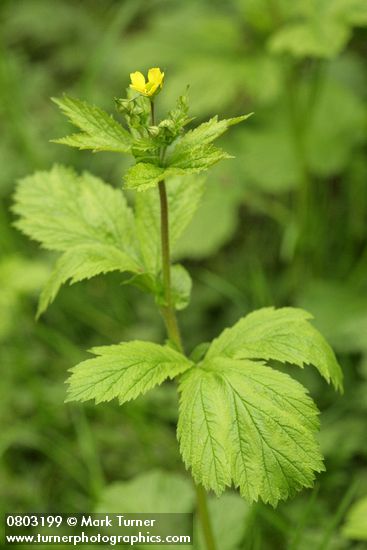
(154, 84)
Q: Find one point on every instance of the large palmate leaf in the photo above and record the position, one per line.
(283, 335)
(245, 423)
(100, 131)
(81, 216)
(124, 371)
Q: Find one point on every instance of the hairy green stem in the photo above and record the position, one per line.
(170, 319)
(168, 310)
(169, 315)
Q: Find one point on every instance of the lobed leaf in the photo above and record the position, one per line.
(244, 422)
(100, 131)
(191, 154)
(143, 176)
(209, 131)
(83, 262)
(283, 335)
(124, 371)
(81, 216)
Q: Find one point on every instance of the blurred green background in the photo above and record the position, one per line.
(283, 223)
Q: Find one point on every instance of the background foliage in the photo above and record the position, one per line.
(284, 223)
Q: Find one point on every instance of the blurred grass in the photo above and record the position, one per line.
(283, 223)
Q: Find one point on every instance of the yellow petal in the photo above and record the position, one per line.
(151, 88)
(155, 76)
(137, 81)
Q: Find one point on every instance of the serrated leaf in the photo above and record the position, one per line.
(193, 160)
(283, 335)
(209, 131)
(191, 154)
(183, 195)
(83, 262)
(61, 209)
(194, 150)
(143, 176)
(244, 422)
(124, 371)
(81, 216)
(100, 131)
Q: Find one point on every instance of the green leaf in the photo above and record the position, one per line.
(228, 515)
(244, 422)
(154, 491)
(81, 216)
(83, 262)
(124, 371)
(191, 154)
(331, 147)
(323, 39)
(340, 313)
(19, 278)
(283, 335)
(143, 176)
(320, 29)
(194, 151)
(61, 209)
(209, 131)
(213, 223)
(355, 527)
(193, 160)
(181, 285)
(100, 131)
(183, 195)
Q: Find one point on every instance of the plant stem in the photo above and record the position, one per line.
(169, 315)
(173, 331)
(204, 517)
(168, 310)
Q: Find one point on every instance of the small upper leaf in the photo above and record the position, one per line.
(244, 422)
(124, 371)
(190, 154)
(100, 131)
(143, 176)
(284, 335)
(209, 131)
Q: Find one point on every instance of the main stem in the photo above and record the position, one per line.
(173, 331)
